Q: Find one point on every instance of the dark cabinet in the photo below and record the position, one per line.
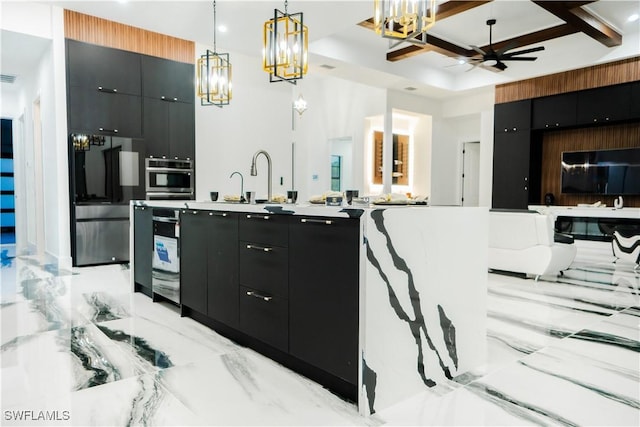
(323, 293)
(605, 104)
(512, 116)
(223, 268)
(95, 112)
(511, 170)
(264, 281)
(635, 100)
(142, 247)
(264, 317)
(169, 128)
(170, 80)
(553, 112)
(193, 259)
(113, 70)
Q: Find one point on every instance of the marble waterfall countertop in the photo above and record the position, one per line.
(422, 293)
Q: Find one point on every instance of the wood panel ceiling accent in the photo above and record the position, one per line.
(624, 71)
(576, 20)
(90, 29)
(597, 138)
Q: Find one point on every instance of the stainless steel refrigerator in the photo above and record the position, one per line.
(106, 172)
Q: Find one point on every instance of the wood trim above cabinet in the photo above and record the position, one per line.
(98, 31)
(613, 73)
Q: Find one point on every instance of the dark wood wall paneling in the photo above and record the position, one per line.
(625, 71)
(591, 138)
(596, 138)
(90, 29)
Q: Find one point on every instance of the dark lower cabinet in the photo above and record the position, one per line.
(193, 259)
(223, 268)
(264, 267)
(511, 170)
(323, 293)
(264, 317)
(142, 248)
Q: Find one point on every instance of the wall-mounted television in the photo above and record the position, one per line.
(612, 172)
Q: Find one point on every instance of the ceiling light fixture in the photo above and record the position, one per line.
(300, 105)
(285, 46)
(214, 74)
(633, 18)
(406, 20)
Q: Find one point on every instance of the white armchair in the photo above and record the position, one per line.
(626, 248)
(524, 242)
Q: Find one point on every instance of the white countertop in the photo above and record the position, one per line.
(274, 208)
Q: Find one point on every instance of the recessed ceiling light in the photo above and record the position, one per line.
(461, 61)
(633, 18)
(222, 28)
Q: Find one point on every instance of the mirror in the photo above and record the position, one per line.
(341, 163)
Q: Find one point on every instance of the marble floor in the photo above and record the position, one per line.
(78, 348)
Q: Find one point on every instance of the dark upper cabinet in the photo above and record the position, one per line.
(96, 112)
(193, 260)
(635, 100)
(165, 79)
(169, 129)
(553, 112)
(142, 246)
(511, 170)
(92, 66)
(222, 268)
(604, 104)
(323, 293)
(512, 116)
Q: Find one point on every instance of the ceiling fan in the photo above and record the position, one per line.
(500, 55)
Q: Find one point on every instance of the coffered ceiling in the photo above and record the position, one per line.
(358, 53)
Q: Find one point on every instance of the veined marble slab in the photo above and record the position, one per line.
(424, 300)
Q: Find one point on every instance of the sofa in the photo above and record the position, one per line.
(525, 242)
(626, 248)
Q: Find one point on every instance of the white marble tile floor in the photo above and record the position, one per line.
(78, 348)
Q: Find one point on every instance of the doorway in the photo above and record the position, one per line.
(7, 191)
(341, 163)
(471, 173)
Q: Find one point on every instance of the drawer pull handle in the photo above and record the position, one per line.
(217, 214)
(108, 130)
(317, 221)
(258, 216)
(262, 297)
(259, 248)
(104, 89)
(164, 98)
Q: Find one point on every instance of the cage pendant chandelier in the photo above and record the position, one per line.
(406, 20)
(285, 46)
(214, 74)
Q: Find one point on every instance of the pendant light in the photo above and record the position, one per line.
(300, 105)
(285, 46)
(214, 74)
(404, 20)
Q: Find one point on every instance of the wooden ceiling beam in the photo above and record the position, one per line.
(533, 38)
(582, 20)
(451, 8)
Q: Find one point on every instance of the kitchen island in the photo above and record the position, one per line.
(377, 303)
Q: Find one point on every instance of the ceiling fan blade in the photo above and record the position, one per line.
(520, 58)
(506, 48)
(500, 66)
(522, 52)
(477, 49)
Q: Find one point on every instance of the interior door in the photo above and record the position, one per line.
(471, 174)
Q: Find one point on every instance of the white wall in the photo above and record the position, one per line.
(258, 117)
(46, 82)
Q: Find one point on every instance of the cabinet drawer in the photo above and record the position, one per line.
(264, 317)
(265, 268)
(265, 228)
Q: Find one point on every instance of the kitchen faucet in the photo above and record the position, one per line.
(242, 199)
(254, 170)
